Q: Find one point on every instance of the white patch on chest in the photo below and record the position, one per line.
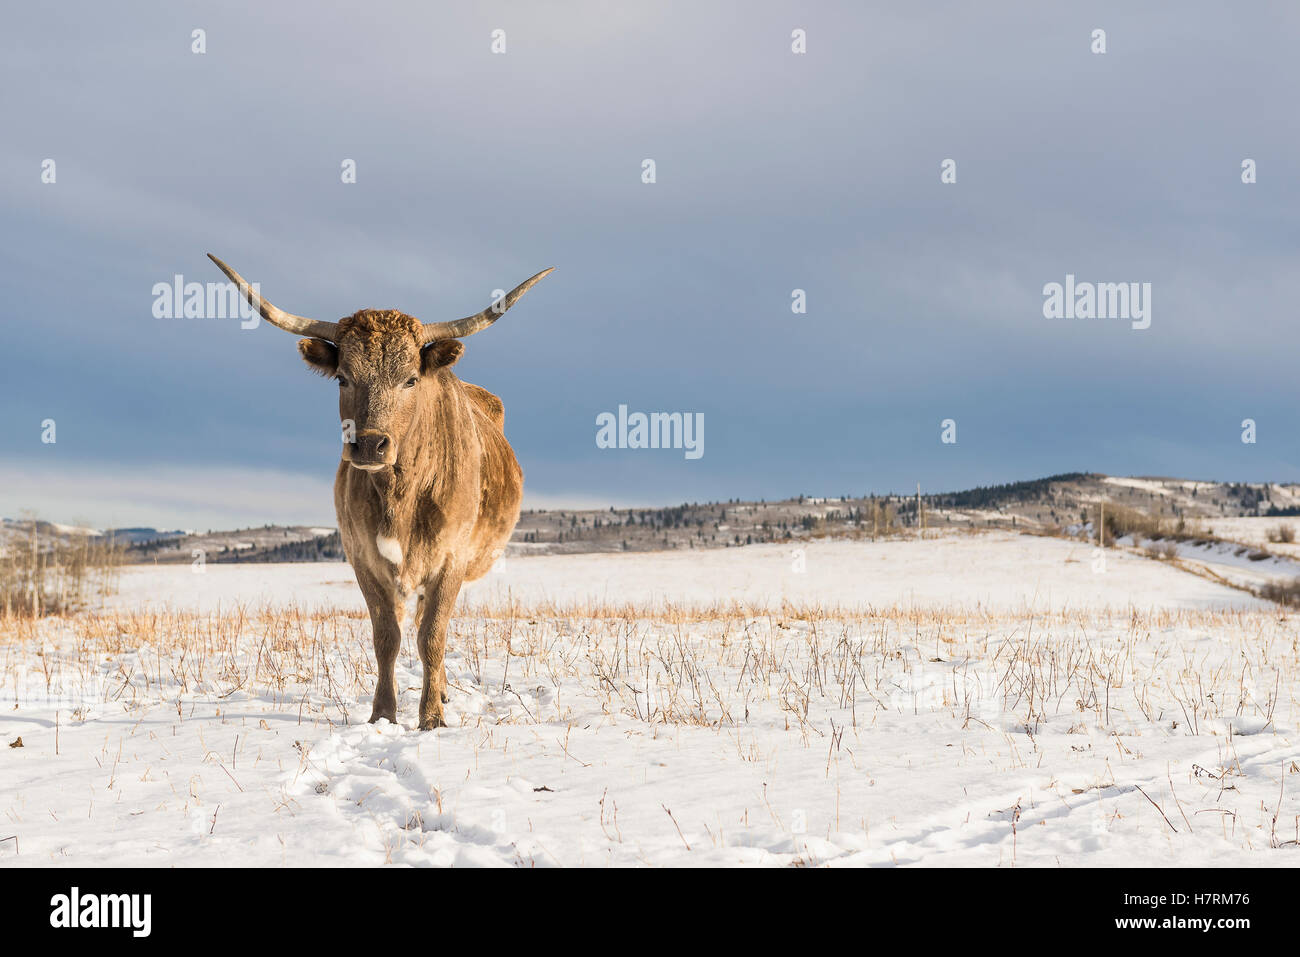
(389, 549)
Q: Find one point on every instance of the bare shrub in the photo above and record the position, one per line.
(1281, 533)
(1121, 521)
(1162, 550)
(1284, 593)
(50, 574)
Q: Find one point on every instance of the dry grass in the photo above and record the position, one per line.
(694, 666)
(1079, 697)
(39, 577)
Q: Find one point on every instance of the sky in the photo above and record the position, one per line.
(774, 171)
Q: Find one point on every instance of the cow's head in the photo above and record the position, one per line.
(383, 360)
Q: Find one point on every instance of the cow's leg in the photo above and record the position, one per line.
(439, 599)
(419, 616)
(385, 622)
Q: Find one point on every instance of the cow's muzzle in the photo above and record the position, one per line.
(371, 451)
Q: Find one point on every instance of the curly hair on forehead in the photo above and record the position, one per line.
(372, 327)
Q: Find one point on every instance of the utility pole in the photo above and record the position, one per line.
(919, 532)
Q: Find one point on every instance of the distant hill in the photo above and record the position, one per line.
(1042, 505)
(270, 543)
(132, 536)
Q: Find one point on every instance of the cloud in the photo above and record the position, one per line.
(112, 495)
(775, 172)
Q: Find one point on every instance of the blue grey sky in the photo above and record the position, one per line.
(775, 171)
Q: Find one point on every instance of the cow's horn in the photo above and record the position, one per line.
(298, 325)
(472, 324)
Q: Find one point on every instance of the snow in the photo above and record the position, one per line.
(1241, 565)
(1255, 531)
(995, 571)
(215, 587)
(968, 700)
(1170, 487)
(75, 530)
(1145, 485)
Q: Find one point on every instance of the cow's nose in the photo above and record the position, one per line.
(371, 448)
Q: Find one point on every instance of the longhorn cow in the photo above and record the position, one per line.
(428, 489)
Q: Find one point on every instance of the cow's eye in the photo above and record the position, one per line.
(410, 383)
(342, 382)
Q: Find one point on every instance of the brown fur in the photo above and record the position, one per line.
(445, 489)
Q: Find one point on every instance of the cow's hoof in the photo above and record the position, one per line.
(378, 713)
(445, 697)
(432, 723)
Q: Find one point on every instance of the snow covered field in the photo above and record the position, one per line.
(987, 572)
(969, 700)
(1243, 566)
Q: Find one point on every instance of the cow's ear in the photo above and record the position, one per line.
(322, 356)
(441, 352)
